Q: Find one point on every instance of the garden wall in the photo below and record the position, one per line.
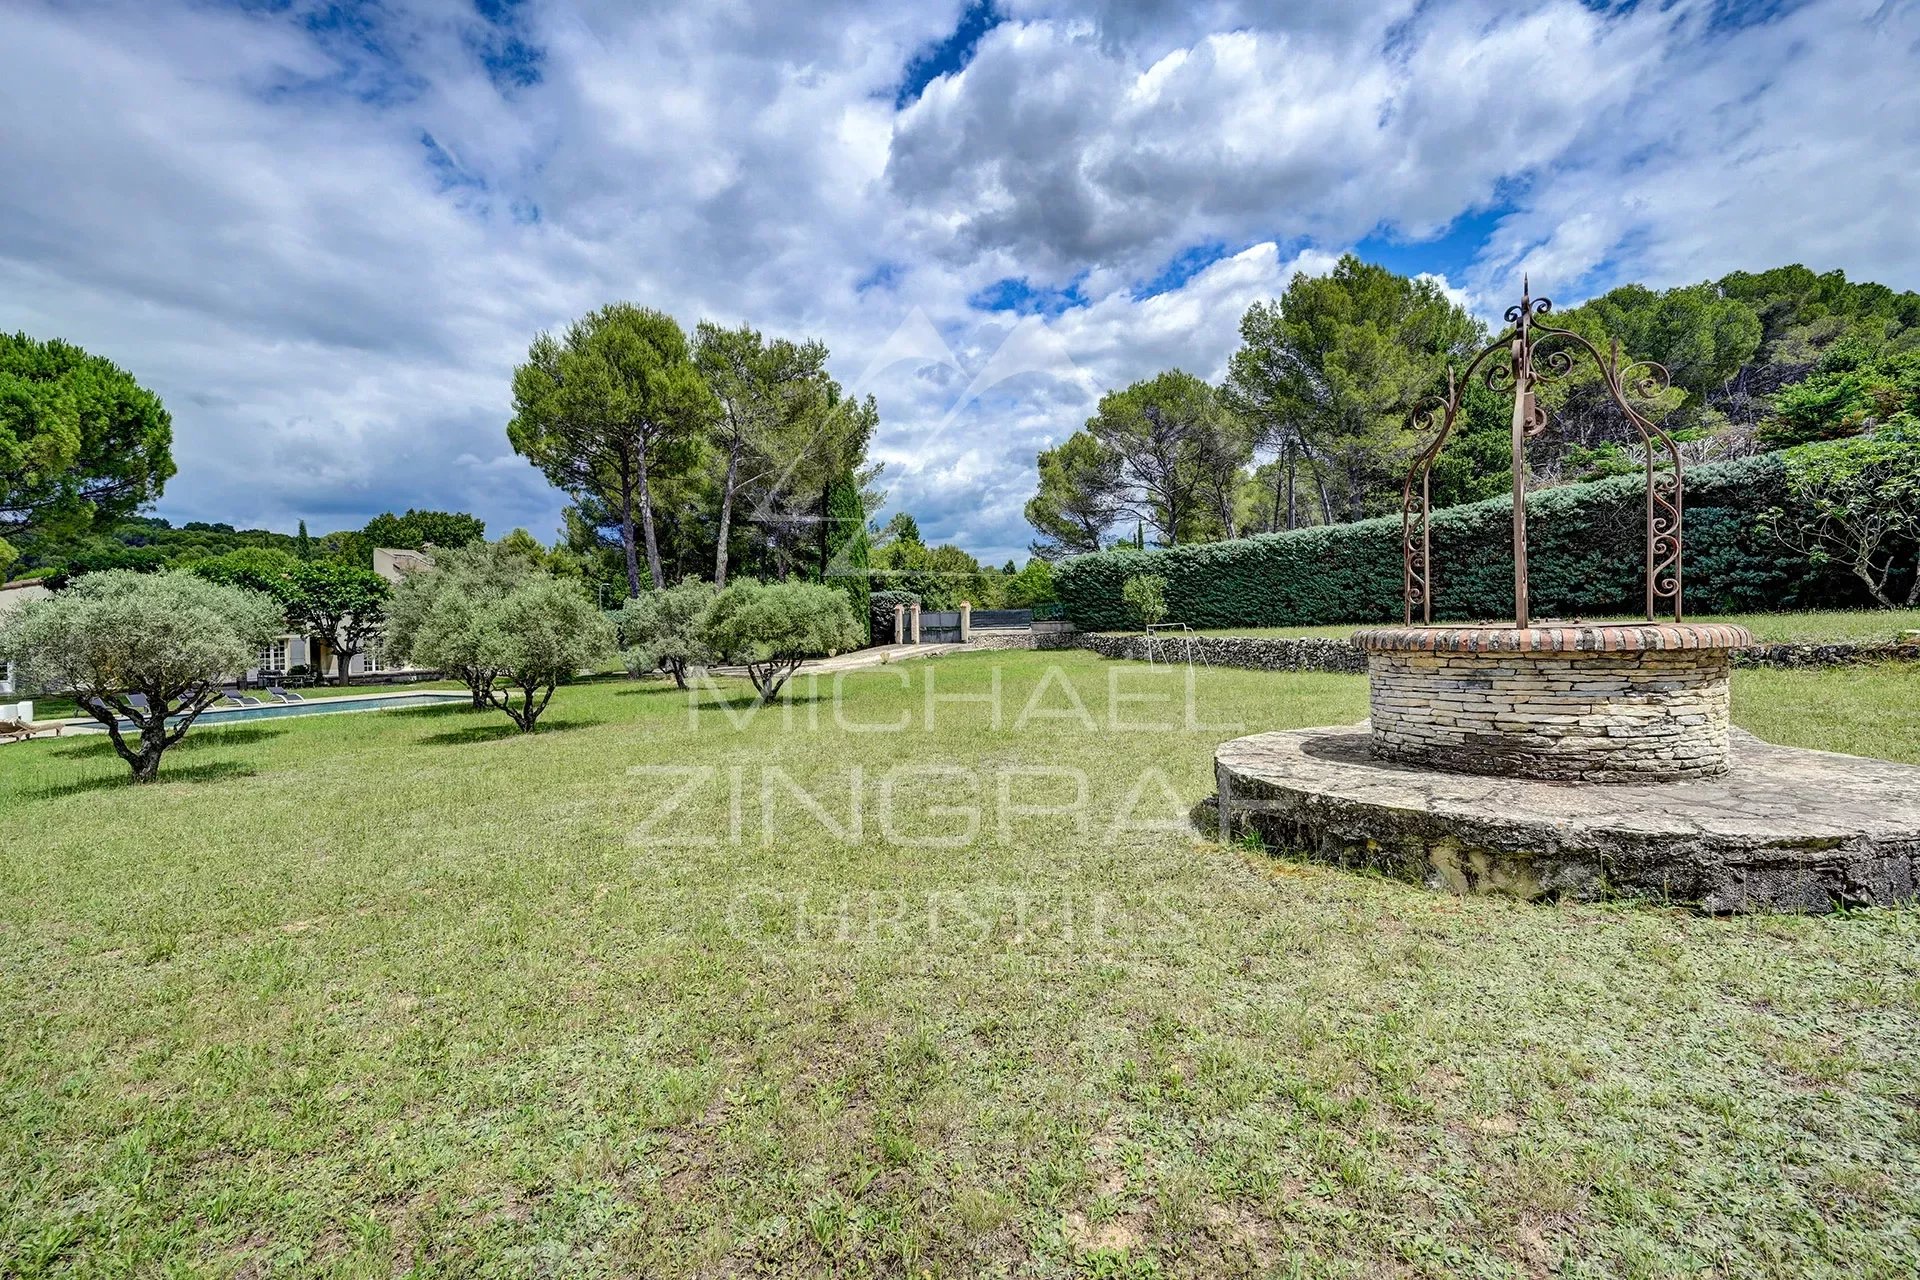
(1586, 557)
(1259, 653)
(1274, 653)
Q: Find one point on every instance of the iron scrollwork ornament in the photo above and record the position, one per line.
(1528, 352)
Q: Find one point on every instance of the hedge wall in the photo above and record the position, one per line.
(880, 614)
(1586, 557)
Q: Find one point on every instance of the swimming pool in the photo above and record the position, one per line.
(323, 707)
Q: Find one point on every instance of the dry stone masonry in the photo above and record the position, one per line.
(1782, 830)
(1575, 704)
(1461, 779)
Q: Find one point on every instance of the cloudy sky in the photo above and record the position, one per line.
(324, 232)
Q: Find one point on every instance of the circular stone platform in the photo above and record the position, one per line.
(1784, 830)
(1586, 703)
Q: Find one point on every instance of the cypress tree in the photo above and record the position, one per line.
(844, 545)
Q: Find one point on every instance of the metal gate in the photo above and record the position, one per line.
(941, 627)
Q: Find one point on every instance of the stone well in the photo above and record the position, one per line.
(1612, 703)
(1469, 777)
(1782, 830)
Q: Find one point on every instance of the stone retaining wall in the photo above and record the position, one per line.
(1008, 639)
(1258, 653)
(1268, 653)
(1569, 716)
(1823, 655)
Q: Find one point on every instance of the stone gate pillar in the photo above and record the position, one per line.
(916, 623)
(966, 621)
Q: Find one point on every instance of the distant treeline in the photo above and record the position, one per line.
(1313, 423)
(148, 543)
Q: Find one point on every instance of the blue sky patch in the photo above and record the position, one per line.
(949, 55)
(1014, 294)
(1183, 267)
(1448, 254)
(883, 276)
(447, 170)
(510, 61)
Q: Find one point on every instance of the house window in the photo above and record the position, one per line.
(370, 656)
(273, 658)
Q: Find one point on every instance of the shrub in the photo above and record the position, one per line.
(1146, 595)
(434, 616)
(171, 638)
(1586, 556)
(771, 629)
(661, 629)
(1031, 586)
(537, 636)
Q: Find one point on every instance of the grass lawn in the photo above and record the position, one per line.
(1854, 626)
(409, 993)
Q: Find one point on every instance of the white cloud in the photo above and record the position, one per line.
(1793, 141)
(326, 248)
(1064, 152)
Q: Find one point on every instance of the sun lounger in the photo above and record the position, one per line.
(281, 695)
(28, 728)
(232, 698)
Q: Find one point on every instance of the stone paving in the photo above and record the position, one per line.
(1784, 829)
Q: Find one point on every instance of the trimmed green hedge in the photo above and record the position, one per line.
(880, 614)
(1586, 557)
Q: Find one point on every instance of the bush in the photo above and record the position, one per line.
(880, 613)
(1145, 594)
(1031, 586)
(170, 638)
(1586, 556)
(661, 629)
(770, 630)
(434, 616)
(537, 636)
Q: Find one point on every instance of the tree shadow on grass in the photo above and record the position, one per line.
(648, 689)
(197, 739)
(446, 709)
(501, 730)
(211, 771)
(747, 699)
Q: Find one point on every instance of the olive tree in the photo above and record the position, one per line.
(661, 629)
(433, 614)
(541, 633)
(169, 638)
(772, 629)
(1856, 503)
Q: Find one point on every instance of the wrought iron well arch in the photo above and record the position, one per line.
(1526, 364)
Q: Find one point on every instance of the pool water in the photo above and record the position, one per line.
(280, 710)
